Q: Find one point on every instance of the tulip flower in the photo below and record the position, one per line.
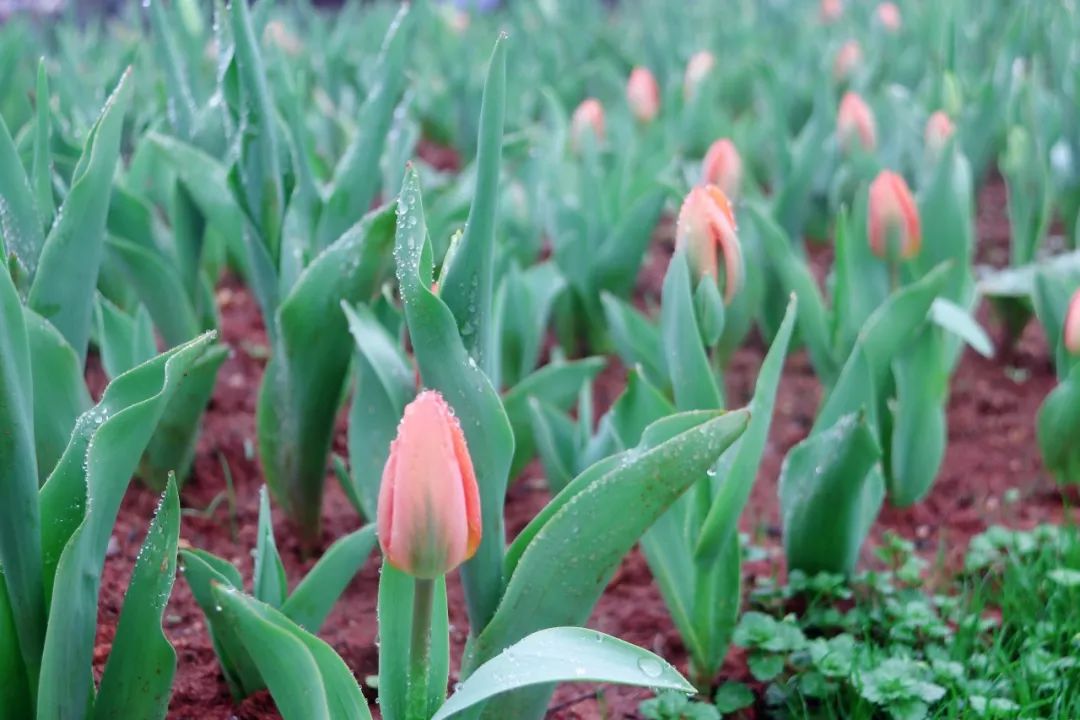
(847, 60)
(855, 124)
(643, 94)
(894, 218)
(706, 226)
(1071, 334)
(722, 167)
(588, 118)
(939, 128)
(699, 67)
(889, 16)
(831, 10)
(429, 503)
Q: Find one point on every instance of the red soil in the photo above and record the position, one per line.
(992, 450)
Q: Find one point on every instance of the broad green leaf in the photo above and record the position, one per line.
(688, 365)
(469, 280)
(303, 383)
(63, 287)
(639, 406)
(42, 168)
(636, 339)
(1058, 427)
(738, 468)
(270, 585)
(946, 211)
(649, 481)
(20, 519)
(181, 106)
(919, 431)
(15, 699)
(828, 487)
(160, 288)
(306, 678)
(124, 341)
(384, 385)
(524, 305)
(20, 224)
(620, 258)
(203, 572)
(395, 616)
(138, 677)
(80, 501)
(958, 321)
(356, 178)
(315, 595)
(553, 434)
(564, 654)
(446, 365)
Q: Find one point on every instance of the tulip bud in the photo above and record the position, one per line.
(699, 67)
(429, 504)
(722, 167)
(588, 118)
(855, 124)
(848, 59)
(1071, 334)
(643, 94)
(889, 16)
(939, 128)
(894, 218)
(831, 10)
(706, 226)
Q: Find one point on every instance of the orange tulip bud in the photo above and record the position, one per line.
(889, 16)
(722, 167)
(429, 504)
(855, 124)
(831, 10)
(588, 118)
(699, 67)
(894, 218)
(939, 128)
(848, 59)
(643, 94)
(1071, 335)
(706, 226)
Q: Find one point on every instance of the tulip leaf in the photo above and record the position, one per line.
(1058, 429)
(919, 432)
(830, 492)
(80, 500)
(181, 104)
(20, 519)
(15, 697)
(553, 434)
(270, 585)
(303, 383)
(636, 339)
(124, 341)
(138, 676)
(41, 172)
(544, 658)
(958, 321)
(384, 386)
(525, 301)
(688, 365)
(948, 224)
(622, 251)
(20, 225)
(315, 595)
(63, 287)
(650, 479)
(306, 678)
(446, 366)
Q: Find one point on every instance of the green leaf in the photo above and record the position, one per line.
(303, 383)
(181, 105)
(524, 305)
(270, 585)
(445, 365)
(469, 280)
(828, 489)
(765, 667)
(356, 178)
(384, 386)
(622, 252)
(945, 209)
(919, 431)
(313, 598)
(554, 435)
(42, 168)
(1058, 427)
(950, 316)
(20, 519)
(21, 236)
(544, 658)
(688, 365)
(649, 480)
(124, 341)
(63, 287)
(80, 501)
(138, 677)
(738, 468)
(636, 339)
(732, 697)
(306, 678)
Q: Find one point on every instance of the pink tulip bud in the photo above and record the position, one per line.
(643, 94)
(889, 16)
(939, 128)
(699, 67)
(705, 228)
(848, 59)
(588, 118)
(723, 167)
(1071, 335)
(855, 124)
(429, 504)
(831, 10)
(894, 218)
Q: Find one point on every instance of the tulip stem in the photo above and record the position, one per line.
(420, 648)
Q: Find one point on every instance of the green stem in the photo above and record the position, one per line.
(420, 648)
